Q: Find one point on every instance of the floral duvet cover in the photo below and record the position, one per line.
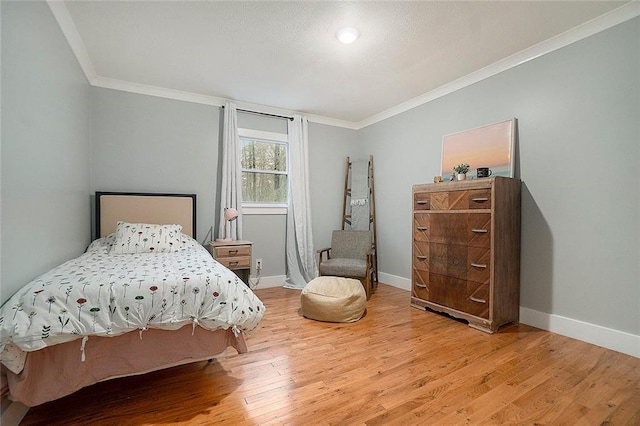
(105, 294)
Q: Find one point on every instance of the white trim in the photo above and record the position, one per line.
(599, 24)
(269, 282)
(262, 135)
(68, 27)
(249, 210)
(395, 281)
(318, 119)
(609, 338)
(161, 92)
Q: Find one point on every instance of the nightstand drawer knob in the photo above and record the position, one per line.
(478, 265)
(479, 231)
(473, 299)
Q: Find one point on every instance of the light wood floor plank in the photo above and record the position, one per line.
(397, 365)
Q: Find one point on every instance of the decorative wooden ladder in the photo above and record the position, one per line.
(346, 212)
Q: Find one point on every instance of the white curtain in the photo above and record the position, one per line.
(231, 184)
(301, 262)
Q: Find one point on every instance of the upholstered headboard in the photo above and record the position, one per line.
(136, 207)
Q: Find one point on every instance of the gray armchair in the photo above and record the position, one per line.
(350, 255)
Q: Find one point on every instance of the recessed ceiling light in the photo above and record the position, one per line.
(347, 35)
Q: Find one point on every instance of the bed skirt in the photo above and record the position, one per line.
(57, 371)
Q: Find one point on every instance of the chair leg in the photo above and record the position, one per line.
(365, 284)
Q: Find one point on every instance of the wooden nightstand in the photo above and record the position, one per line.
(235, 255)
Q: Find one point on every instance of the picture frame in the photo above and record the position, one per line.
(492, 146)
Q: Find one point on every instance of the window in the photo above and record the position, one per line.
(264, 159)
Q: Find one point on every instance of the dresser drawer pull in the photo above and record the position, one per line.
(480, 199)
(422, 228)
(479, 231)
(422, 257)
(233, 263)
(233, 251)
(478, 265)
(421, 285)
(473, 299)
(422, 202)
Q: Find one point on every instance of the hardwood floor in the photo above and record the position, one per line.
(397, 365)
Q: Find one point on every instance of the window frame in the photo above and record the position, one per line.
(258, 208)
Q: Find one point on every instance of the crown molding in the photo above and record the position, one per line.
(161, 92)
(599, 24)
(68, 27)
(615, 17)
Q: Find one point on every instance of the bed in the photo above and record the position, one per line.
(144, 296)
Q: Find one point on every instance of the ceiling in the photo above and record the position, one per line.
(285, 55)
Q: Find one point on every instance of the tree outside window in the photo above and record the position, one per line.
(264, 171)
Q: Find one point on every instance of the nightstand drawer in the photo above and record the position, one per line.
(233, 251)
(235, 262)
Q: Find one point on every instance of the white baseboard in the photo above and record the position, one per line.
(616, 340)
(267, 282)
(395, 281)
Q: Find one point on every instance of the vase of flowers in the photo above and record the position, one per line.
(461, 171)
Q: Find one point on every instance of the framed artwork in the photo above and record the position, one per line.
(491, 146)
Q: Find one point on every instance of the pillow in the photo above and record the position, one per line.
(146, 238)
(187, 243)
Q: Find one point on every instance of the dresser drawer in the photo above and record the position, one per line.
(462, 295)
(472, 229)
(461, 200)
(420, 290)
(457, 261)
(421, 255)
(479, 199)
(421, 226)
(479, 265)
(232, 251)
(421, 200)
(475, 300)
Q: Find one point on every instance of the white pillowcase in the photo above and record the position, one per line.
(146, 238)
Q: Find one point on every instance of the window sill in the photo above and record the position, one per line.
(264, 210)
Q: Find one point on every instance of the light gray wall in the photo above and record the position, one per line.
(45, 146)
(329, 148)
(150, 144)
(579, 112)
(145, 143)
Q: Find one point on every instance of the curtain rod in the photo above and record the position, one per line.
(263, 113)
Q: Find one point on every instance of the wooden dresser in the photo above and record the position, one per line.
(466, 250)
(235, 255)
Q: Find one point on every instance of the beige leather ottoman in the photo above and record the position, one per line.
(333, 299)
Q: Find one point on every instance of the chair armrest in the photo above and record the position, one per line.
(324, 250)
